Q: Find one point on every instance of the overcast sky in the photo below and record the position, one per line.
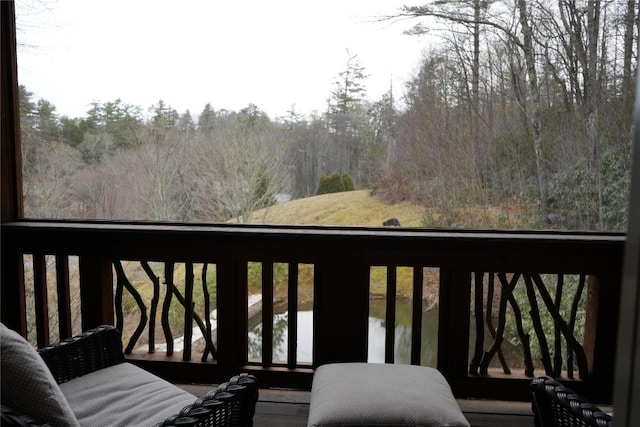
(187, 53)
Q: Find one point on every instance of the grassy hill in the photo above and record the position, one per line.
(346, 208)
(361, 208)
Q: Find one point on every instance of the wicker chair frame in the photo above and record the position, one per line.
(82, 354)
(231, 404)
(555, 405)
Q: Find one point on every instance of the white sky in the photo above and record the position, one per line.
(229, 53)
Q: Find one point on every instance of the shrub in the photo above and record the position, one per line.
(330, 184)
(347, 182)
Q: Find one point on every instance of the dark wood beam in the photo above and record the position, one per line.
(11, 162)
(627, 378)
(11, 273)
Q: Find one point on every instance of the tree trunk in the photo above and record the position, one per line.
(536, 121)
(627, 71)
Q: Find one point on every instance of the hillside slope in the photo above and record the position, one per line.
(346, 208)
(360, 208)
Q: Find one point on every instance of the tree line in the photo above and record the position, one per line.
(528, 101)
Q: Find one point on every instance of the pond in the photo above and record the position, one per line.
(376, 334)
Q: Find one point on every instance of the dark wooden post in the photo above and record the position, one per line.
(627, 377)
(11, 207)
(231, 303)
(453, 323)
(12, 296)
(96, 291)
(11, 274)
(341, 307)
(602, 363)
(64, 297)
(41, 302)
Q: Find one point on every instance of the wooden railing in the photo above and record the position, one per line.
(552, 296)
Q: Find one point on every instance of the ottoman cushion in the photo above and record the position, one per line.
(372, 394)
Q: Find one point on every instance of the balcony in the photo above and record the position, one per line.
(554, 297)
(487, 282)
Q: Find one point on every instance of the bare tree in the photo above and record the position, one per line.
(240, 167)
(522, 36)
(160, 178)
(48, 186)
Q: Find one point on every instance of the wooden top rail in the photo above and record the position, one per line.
(489, 250)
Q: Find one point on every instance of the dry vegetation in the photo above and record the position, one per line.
(361, 208)
(358, 208)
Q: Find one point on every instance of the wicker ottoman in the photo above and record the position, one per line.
(370, 394)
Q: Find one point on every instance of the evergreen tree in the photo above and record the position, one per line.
(349, 89)
(347, 183)
(72, 131)
(46, 122)
(164, 119)
(206, 121)
(186, 125)
(334, 183)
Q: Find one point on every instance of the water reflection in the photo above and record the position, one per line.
(376, 335)
(281, 336)
(402, 352)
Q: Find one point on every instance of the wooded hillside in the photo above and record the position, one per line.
(520, 101)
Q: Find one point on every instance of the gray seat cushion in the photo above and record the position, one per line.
(370, 394)
(123, 395)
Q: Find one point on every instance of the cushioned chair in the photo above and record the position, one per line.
(85, 381)
(555, 405)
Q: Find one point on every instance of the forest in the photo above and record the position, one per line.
(520, 101)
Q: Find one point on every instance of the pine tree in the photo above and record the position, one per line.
(349, 86)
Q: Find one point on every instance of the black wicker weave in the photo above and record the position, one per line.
(555, 405)
(73, 357)
(231, 404)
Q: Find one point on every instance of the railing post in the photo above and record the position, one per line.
(40, 296)
(231, 303)
(603, 301)
(341, 307)
(65, 329)
(12, 291)
(96, 291)
(453, 323)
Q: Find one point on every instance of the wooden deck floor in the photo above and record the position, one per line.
(288, 408)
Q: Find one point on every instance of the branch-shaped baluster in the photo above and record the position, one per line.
(154, 304)
(572, 321)
(209, 347)
(166, 306)
(189, 314)
(197, 318)
(478, 309)
(571, 340)
(123, 281)
(525, 339)
(537, 325)
(506, 289)
(117, 300)
(490, 327)
(557, 345)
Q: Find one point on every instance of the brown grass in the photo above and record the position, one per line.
(348, 208)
